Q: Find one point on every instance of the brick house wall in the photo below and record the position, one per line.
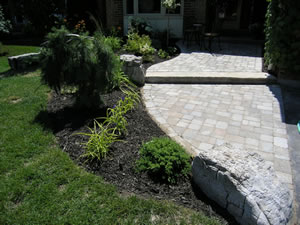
(194, 12)
(114, 13)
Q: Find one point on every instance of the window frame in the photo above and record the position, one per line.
(163, 10)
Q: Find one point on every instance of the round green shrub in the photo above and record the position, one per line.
(164, 159)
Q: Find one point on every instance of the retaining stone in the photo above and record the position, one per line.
(23, 61)
(134, 68)
(244, 184)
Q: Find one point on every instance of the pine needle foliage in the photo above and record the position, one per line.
(86, 63)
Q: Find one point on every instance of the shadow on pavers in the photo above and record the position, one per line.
(291, 102)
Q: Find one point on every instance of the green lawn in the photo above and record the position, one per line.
(13, 50)
(39, 184)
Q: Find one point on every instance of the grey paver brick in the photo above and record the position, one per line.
(280, 142)
(247, 116)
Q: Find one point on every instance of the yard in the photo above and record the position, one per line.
(12, 50)
(39, 180)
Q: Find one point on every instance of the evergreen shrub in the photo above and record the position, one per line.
(86, 63)
(164, 159)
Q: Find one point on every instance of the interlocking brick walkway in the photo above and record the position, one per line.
(247, 116)
(233, 57)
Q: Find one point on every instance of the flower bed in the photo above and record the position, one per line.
(118, 167)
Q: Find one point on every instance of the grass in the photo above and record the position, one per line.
(12, 50)
(40, 184)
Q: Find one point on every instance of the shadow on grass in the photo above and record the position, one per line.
(68, 118)
(214, 206)
(11, 73)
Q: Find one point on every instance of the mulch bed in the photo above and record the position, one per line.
(118, 168)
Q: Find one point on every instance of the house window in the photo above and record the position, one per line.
(129, 6)
(177, 10)
(149, 6)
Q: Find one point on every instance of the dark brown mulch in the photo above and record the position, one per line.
(118, 168)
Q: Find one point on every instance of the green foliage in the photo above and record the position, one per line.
(86, 63)
(282, 48)
(39, 180)
(100, 140)
(164, 158)
(115, 117)
(5, 25)
(139, 45)
(101, 136)
(172, 51)
(170, 4)
(148, 58)
(1, 49)
(114, 42)
(140, 25)
(163, 54)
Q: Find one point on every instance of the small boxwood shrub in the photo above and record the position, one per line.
(164, 159)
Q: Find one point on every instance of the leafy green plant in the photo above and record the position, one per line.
(130, 90)
(148, 58)
(116, 116)
(2, 52)
(163, 54)
(172, 51)
(282, 48)
(5, 25)
(86, 63)
(164, 159)
(100, 140)
(114, 125)
(140, 25)
(114, 42)
(140, 45)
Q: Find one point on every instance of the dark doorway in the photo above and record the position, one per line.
(253, 11)
(246, 14)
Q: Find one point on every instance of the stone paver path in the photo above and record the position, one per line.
(247, 116)
(233, 57)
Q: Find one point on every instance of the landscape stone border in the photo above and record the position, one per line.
(133, 68)
(244, 184)
(23, 61)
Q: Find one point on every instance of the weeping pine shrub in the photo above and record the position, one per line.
(80, 61)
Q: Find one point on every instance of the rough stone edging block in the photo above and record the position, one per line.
(244, 184)
(133, 67)
(23, 61)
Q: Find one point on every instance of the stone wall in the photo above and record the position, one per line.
(25, 61)
(134, 69)
(244, 184)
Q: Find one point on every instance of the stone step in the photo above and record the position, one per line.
(210, 77)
